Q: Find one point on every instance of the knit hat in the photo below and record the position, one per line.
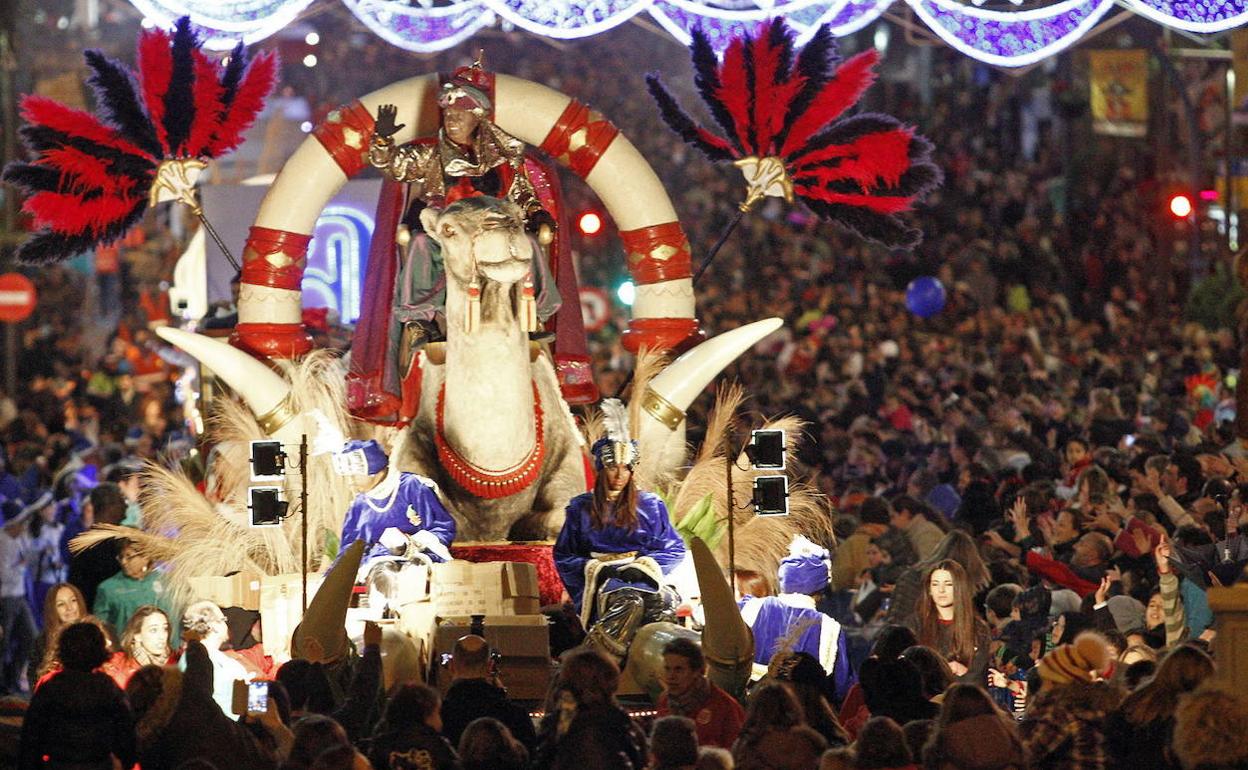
(1128, 612)
(1079, 661)
(806, 569)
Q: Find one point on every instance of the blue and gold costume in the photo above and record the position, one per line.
(409, 503)
(579, 544)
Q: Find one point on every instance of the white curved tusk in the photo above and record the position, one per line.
(672, 391)
(264, 390)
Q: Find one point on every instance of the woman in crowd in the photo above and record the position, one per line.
(946, 621)
(51, 659)
(584, 726)
(62, 605)
(178, 720)
(775, 735)
(144, 642)
(78, 718)
(973, 734)
(1139, 732)
(912, 585)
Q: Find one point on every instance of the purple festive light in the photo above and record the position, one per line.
(222, 23)
(1193, 15)
(1011, 39)
(1005, 38)
(420, 30)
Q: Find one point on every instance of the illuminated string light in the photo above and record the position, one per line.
(1008, 38)
(221, 23)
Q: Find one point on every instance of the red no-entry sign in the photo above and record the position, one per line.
(17, 297)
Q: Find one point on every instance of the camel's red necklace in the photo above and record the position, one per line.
(484, 482)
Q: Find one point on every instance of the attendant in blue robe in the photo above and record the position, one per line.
(791, 623)
(616, 547)
(400, 517)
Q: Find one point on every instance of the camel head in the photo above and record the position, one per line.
(482, 240)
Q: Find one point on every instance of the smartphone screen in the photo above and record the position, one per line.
(257, 697)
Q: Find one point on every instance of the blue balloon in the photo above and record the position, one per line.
(925, 296)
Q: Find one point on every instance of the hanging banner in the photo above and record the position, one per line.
(1120, 92)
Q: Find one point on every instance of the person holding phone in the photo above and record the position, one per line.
(179, 717)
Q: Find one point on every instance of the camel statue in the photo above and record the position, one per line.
(476, 430)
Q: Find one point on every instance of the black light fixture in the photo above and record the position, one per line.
(268, 461)
(771, 495)
(266, 506)
(766, 450)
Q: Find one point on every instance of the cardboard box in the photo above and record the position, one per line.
(491, 588)
(281, 609)
(242, 589)
(523, 641)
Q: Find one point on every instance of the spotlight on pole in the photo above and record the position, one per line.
(268, 461)
(766, 450)
(266, 506)
(771, 495)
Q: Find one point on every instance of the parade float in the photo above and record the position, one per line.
(458, 400)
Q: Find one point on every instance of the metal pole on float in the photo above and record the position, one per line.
(303, 516)
(729, 460)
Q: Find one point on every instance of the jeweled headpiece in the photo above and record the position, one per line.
(618, 447)
(468, 89)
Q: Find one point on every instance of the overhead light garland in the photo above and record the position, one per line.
(1007, 38)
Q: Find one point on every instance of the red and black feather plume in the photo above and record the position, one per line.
(90, 176)
(862, 171)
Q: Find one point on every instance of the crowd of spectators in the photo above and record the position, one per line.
(1027, 486)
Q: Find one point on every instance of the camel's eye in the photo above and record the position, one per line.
(449, 231)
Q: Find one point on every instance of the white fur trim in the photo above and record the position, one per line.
(829, 635)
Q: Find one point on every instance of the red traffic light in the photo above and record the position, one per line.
(1180, 206)
(590, 223)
